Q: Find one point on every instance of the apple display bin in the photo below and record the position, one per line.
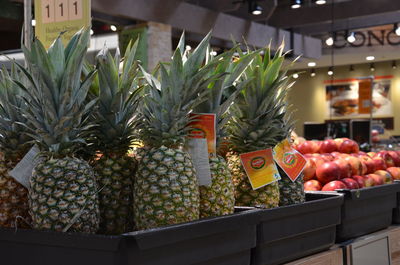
(224, 240)
(292, 232)
(367, 210)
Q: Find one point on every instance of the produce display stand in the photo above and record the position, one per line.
(394, 244)
(223, 240)
(366, 210)
(396, 211)
(292, 232)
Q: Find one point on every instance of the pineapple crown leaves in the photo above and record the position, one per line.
(224, 90)
(118, 100)
(13, 141)
(173, 92)
(261, 117)
(58, 113)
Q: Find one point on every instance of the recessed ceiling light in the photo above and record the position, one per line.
(313, 72)
(254, 8)
(370, 58)
(113, 28)
(91, 32)
(330, 71)
(311, 64)
(295, 76)
(329, 41)
(320, 2)
(296, 4)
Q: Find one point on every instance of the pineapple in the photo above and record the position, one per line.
(260, 122)
(63, 194)
(14, 143)
(118, 100)
(218, 198)
(166, 188)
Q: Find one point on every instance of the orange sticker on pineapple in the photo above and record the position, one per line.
(289, 160)
(260, 168)
(203, 126)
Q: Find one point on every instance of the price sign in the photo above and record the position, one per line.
(56, 16)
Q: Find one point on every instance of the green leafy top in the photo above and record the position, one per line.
(57, 113)
(173, 92)
(14, 143)
(261, 118)
(224, 91)
(118, 98)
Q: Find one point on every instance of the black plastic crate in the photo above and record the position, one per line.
(292, 232)
(396, 211)
(224, 240)
(367, 210)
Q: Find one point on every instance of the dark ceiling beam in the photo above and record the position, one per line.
(308, 16)
(351, 24)
(193, 18)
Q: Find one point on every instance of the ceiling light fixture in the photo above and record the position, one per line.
(372, 67)
(296, 4)
(113, 28)
(91, 32)
(351, 37)
(329, 41)
(254, 8)
(330, 71)
(396, 29)
(320, 2)
(313, 72)
(296, 75)
(370, 58)
(394, 65)
(312, 64)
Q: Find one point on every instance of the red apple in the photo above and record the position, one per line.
(395, 172)
(327, 146)
(375, 132)
(350, 183)
(344, 167)
(327, 172)
(369, 163)
(368, 180)
(361, 153)
(387, 178)
(364, 167)
(379, 163)
(312, 185)
(309, 170)
(396, 158)
(308, 147)
(355, 163)
(339, 141)
(371, 154)
(334, 185)
(378, 179)
(360, 180)
(375, 139)
(349, 146)
(327, 157)
(388, 159)
(317, 160)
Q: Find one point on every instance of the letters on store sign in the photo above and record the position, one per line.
(368, 38)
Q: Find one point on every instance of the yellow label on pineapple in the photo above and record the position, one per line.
(260, 168)
(56, 16)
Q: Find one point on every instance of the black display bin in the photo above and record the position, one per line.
(396, 211)
(292, 232)
(224, 240)
(367, 210)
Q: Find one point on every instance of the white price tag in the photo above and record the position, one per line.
(22, 172)
(198, 150)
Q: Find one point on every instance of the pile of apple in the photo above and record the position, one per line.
(339, 164)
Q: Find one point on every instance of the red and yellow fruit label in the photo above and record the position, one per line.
(260, 168)
(291, 161)
(203, 126)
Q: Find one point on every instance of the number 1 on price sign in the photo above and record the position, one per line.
(48, 11)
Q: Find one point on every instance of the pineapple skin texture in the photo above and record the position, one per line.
(13, 199)
(267, 196)
(291, 192)
(115, 176)
(61, 188)
(166, 190)
(219, 198)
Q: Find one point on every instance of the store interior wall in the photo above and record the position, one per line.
(308, 94)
